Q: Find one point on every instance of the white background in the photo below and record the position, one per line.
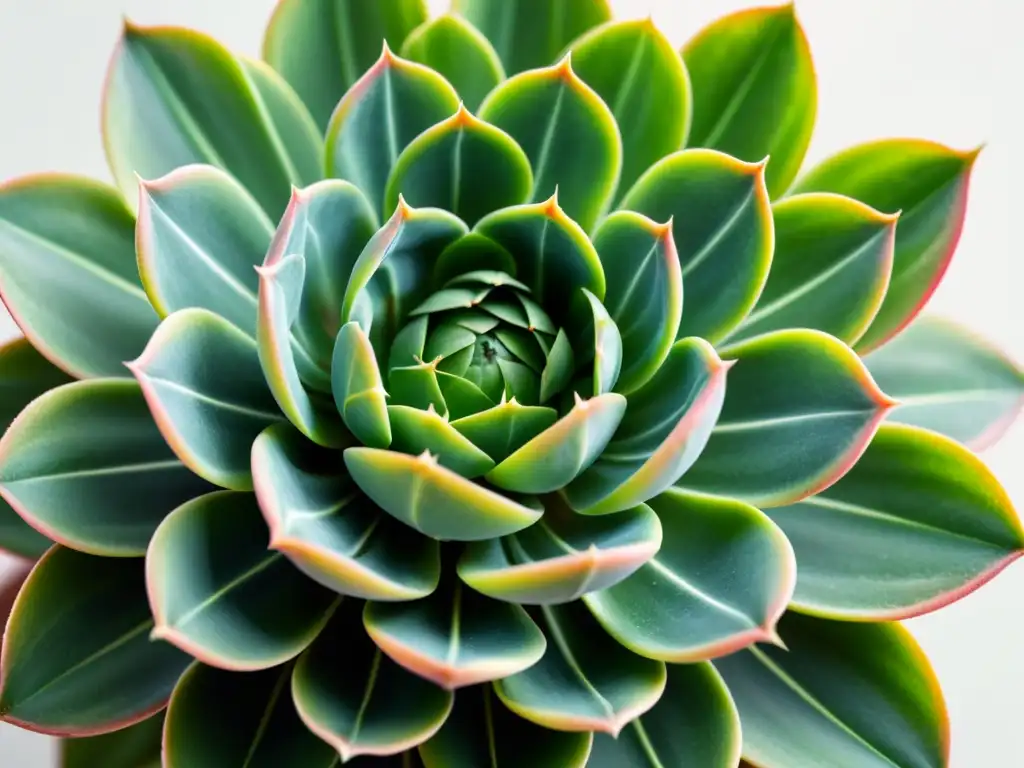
(939, 69)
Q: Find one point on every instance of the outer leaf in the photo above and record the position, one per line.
(137, 746)
(949, 380)
(694, 723)
(217, 593)
(844, 694)
(358, 388)
(359, 701)
(77, 659)
(800, 410)
(720, 581)
(830, 271)
(435, 501)
(204, 386)
(601, 686)
(918, 523)
(928, 183)
(634, 68)
(322, 47)
(389, 106)
(667, 424)
(722, 228)
(86, 465)
(755, 93)
(219, 718)
(176, 97)
(68, 242)
(482, 732)
(568, 133)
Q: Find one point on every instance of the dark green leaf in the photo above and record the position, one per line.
(137, 746)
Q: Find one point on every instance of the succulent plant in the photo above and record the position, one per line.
(498, 395)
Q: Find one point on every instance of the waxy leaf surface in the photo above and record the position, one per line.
(137, 746)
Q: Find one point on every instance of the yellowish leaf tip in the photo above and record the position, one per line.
(427, 459)
(771, 635)
(403, 210)
(550, 207)
(563, 69)
(462, 116)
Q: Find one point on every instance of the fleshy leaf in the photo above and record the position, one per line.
(176, 97)
(351, 695)
(928, 183)
(755, 93)
(329, 529)
(421, 493)
(667, 424)
(843, 694)
(604, 347)
(217, 593)
(418, 386)
(918, 523)
(601, 685)
(203, 382)
(68, 242)
(719, 583)
(558, 369)
(358, 388)
(77, 659)
(505, 428)
(568, 133)
(11, 581)
(137, 746)
(949, 380)
(417, 431)
(86, 465)
(800, 410)
(722, 228)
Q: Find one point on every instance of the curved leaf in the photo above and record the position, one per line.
(77, 659)
(417, 431)
(720, 581)
(329, 529)
(568, 133)
(359, 701)
(918, 523)
(86, 465)
(175, 97)
(202, 380)
(844, 694)
(505, 428)
(358, 388)
(723, 233)
(800, 410)
(68, 242)
(830, 271)
(217, 593)
(606, 349)
(137, 746)
(928, 183)
(11, 581)
(755, 93)
(949, 380)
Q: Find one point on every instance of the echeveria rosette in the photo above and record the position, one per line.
(530, 428)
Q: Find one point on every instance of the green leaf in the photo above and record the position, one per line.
(10, 584)
(199, 235)
(667, 424)
(322, 47)
(202, 380)
(351, 695)
(389, 106)
(563, 556)
(720, 581)
(529, 33)
(176, 97)
(88, 467)
(417, 431)
(600, 685)
(949, 380)
(830, 271)
(218, 718)
(77, 659)
(800, 410)
(559, 368)
(471, 253)
(634, 68)
(456, 49)
(605, 352)
(722, 228)
(567, 132)
(918, 523)
(928, 183)
(463, 165)
(137, 746)
(694, 723)
(845, 694)
(358, 388)
(553, 458)
(69, 242)
(421, 493)
(505, 428)
(482, 732)
(755, 93)
(417, 386)
(217, 593)
(456, 637)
